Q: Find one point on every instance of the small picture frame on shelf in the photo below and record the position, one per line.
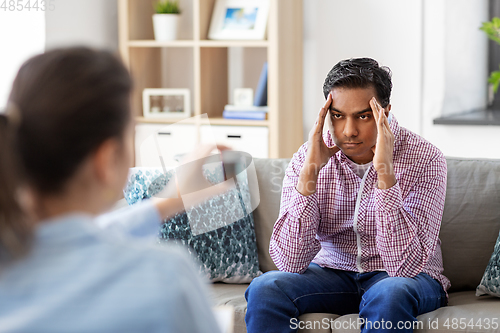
(243, 96)
(239, 20)
(166, 103)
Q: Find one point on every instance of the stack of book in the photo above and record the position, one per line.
(245, 112)
(257, 111)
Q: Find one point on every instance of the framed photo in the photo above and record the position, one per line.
(166, 103)
(239, 19)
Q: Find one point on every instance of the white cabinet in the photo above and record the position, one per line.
(157, 142)
(250, 139)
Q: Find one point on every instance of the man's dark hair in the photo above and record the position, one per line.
(360, 73)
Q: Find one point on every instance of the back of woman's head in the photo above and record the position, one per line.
(68, 102)
(63, 105)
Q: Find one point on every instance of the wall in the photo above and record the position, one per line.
(89, 22)
(389, 31)
(22, 36)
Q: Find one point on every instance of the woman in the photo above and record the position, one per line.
(68, 134)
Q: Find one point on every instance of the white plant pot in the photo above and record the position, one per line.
(165, 26)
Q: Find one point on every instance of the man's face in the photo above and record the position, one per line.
(354, 128)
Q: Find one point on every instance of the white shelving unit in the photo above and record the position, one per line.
(203, 66)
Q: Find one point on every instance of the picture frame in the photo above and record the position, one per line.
(239, 20)
(166, 103)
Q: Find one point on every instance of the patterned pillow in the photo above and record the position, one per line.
(490, 283)
(227, 251)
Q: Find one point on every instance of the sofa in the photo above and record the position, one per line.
(469, 230)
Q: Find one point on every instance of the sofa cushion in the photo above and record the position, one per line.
(462, 305)
(225, 252)
(465, 313)
(471, 220)
(479, 313)
(270, 174)
(233, 295)
(490, 283)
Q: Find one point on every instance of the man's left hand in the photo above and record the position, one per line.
(383, 149)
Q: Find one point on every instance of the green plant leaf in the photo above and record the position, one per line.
(494, 79)
(167, 7)
(492, 29)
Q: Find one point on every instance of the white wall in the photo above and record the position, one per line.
(389, 31)
(22, 35)
(83, 22)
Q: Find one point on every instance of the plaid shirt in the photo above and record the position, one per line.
(350, 224)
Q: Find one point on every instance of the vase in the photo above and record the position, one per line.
(165, 26)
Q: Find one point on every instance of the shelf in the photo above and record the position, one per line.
(212, 69)
(235, 122)
(164, 120)
(233, 43)
(154, 43)
(211, 121)
(201, 43)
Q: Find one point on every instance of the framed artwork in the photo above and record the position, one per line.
(239, 19)
(166, 103)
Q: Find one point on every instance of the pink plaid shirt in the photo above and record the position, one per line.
(350, 224)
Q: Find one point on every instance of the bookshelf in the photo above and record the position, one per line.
(206, 68)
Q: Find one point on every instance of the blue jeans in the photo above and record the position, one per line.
(276, 297)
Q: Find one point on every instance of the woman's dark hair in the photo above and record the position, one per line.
(70, 101)
(360, 73)
(15, 230)
(66, 103)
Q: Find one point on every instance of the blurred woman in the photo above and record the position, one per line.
(67, 134)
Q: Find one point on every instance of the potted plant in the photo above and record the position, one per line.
(165, 21)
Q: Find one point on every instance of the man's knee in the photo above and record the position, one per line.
(266, 284)
(392, 291)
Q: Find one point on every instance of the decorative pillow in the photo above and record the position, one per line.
(228, 251)
(490, 283)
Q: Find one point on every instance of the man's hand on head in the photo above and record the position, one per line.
(318, 153)
(383, 149)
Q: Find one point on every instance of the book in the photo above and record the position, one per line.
(251, 108)
(260, 98)
(249, 115)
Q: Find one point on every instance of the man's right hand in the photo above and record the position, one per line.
(318, 153)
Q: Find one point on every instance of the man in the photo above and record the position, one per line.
(360, 215)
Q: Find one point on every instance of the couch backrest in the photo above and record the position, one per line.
(470, 226)
(471, 220)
